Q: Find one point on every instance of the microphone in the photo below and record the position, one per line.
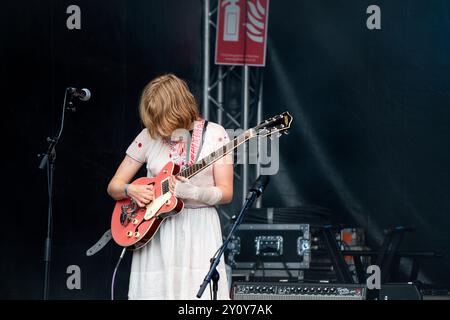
(83, 94)
(258, 186)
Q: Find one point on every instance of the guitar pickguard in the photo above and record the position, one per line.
(156, 204)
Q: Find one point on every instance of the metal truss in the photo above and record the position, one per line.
(232, 97)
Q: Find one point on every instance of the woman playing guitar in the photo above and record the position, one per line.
(174, 263)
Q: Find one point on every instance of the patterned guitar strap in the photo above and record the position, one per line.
(195, 143)
(193, 149)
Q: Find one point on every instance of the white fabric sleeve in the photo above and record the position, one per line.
(209, 195)
(138, 148)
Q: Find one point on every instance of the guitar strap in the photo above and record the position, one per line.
(195, 142)
(107, 236)
(101, 243)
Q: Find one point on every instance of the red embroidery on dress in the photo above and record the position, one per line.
(139, 144)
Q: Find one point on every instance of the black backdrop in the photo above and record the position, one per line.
(370, 140)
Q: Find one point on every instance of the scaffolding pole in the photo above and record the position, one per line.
(220, 95)
(245, 123)
(206, 53)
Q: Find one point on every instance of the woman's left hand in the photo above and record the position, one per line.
(173, 180)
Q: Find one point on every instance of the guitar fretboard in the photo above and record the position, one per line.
(214, 156)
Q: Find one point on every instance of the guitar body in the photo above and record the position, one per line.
(134, 227)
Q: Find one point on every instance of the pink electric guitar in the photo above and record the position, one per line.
(134, 227)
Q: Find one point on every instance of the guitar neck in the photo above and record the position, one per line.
(214, 156)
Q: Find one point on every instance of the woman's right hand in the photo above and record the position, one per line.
(142, 194)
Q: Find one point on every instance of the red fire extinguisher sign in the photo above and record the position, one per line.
(241, 37)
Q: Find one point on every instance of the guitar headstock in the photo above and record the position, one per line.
(278, 124)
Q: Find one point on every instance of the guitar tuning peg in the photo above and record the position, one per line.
(286, 132)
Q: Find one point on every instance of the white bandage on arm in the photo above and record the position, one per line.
(208, 195)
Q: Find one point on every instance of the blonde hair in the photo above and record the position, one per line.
(166, 105)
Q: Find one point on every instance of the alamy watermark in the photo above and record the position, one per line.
(374, 20)
(74, 279)
(74, 20)
(251, 148)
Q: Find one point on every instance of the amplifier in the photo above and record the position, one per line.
(274, 252)
(297, 291)
(270, 247)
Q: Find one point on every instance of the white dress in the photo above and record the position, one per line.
(175, 262)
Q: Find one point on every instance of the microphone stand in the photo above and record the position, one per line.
(213, 274)
(48, 160)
